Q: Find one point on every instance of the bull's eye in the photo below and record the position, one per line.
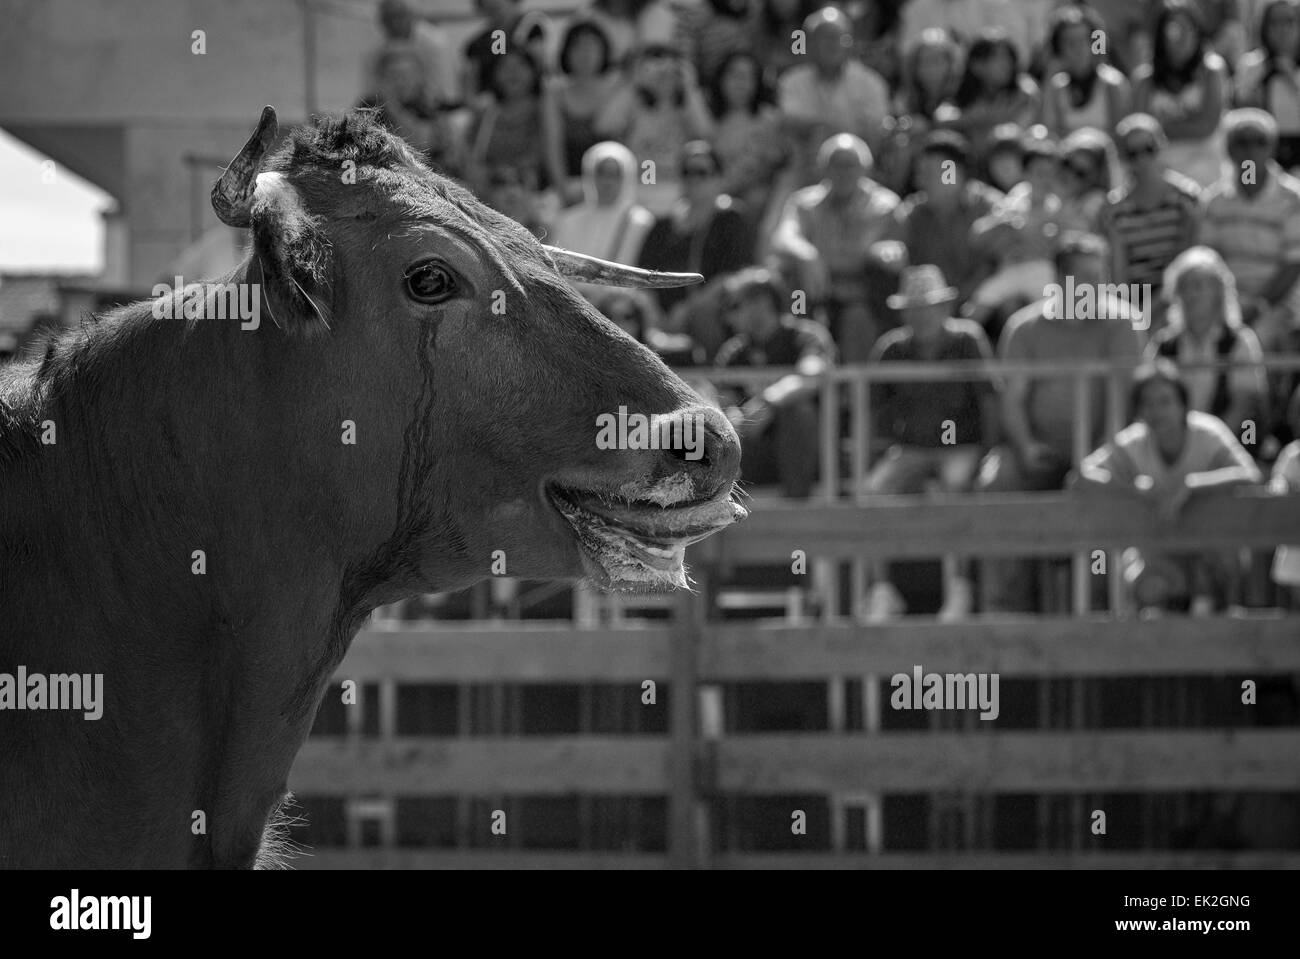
(430, 282)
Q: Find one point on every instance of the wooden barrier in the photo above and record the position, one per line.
(851, 768)
(695, 762)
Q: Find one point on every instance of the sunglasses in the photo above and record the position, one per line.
(1081, 170)
(1136, 150)
(696, 173)
(1249, 140)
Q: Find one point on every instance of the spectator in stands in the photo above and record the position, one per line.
(1251, 216)
(1155, 215)
(1083, 177)
(504, 189)
(659, 111)
(510, 128)
(937, 430)
(1286, 479)
(1205, 327)
(831, 93)
(1022, 229)
(1085, 91)
(403, 105)
(1128, 31)
(825, 239)
(934, 224)
(585, 83)
(400, 26)
(1038, 413)
(774, 32)
(746, 131)
(632, 312)
(1171, 455)
(931, 72)
(777, 425)
(1223, 23)
(622, 22)
(928, 80)
(608, 223)
(876, 25)
(1269, 76)
(992, 91)
(533, 32)
(715, 29)
(964, 19)
(482, 49)
(706, 232)
(1185, 87)
(1003, 164)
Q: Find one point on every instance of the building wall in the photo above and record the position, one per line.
(86, 81)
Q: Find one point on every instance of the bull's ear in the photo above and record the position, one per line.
(291, 253)
(293, 256)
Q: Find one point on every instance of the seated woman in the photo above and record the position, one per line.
(608, 223)
(586, 81)
(931, 69)
(511, 128)
(746, 131)
(1185, 88)
(1085, 92)
(1171, 455)
(715, 29)
(993, 91)
(662, 109)
(1204, 326)
(1269, 76)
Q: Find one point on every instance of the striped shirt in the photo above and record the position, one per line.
(1147, 236)
(1254, 235)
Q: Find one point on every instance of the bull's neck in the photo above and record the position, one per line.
(171, 554)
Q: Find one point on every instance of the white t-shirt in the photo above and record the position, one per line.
(856, 103)
(1286, 479)
(1133, 452)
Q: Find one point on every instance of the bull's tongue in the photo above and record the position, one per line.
(681, 526)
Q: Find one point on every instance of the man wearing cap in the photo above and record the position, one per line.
(825, 238)
(938, 429)
(1251, 216)
(934, 223)
(1156, 214)
(777, 425)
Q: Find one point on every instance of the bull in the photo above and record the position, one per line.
(203, 513)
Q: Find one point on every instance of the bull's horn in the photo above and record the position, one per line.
(232, 194)
(594, 270)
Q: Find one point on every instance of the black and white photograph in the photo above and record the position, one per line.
(620, 435)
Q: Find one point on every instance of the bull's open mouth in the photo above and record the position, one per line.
(638, 542)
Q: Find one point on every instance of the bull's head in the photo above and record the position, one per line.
(477, 379)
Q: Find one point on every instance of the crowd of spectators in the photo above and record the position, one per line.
(878, 180)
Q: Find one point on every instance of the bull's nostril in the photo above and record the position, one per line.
(708, 450)
(697, 456)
